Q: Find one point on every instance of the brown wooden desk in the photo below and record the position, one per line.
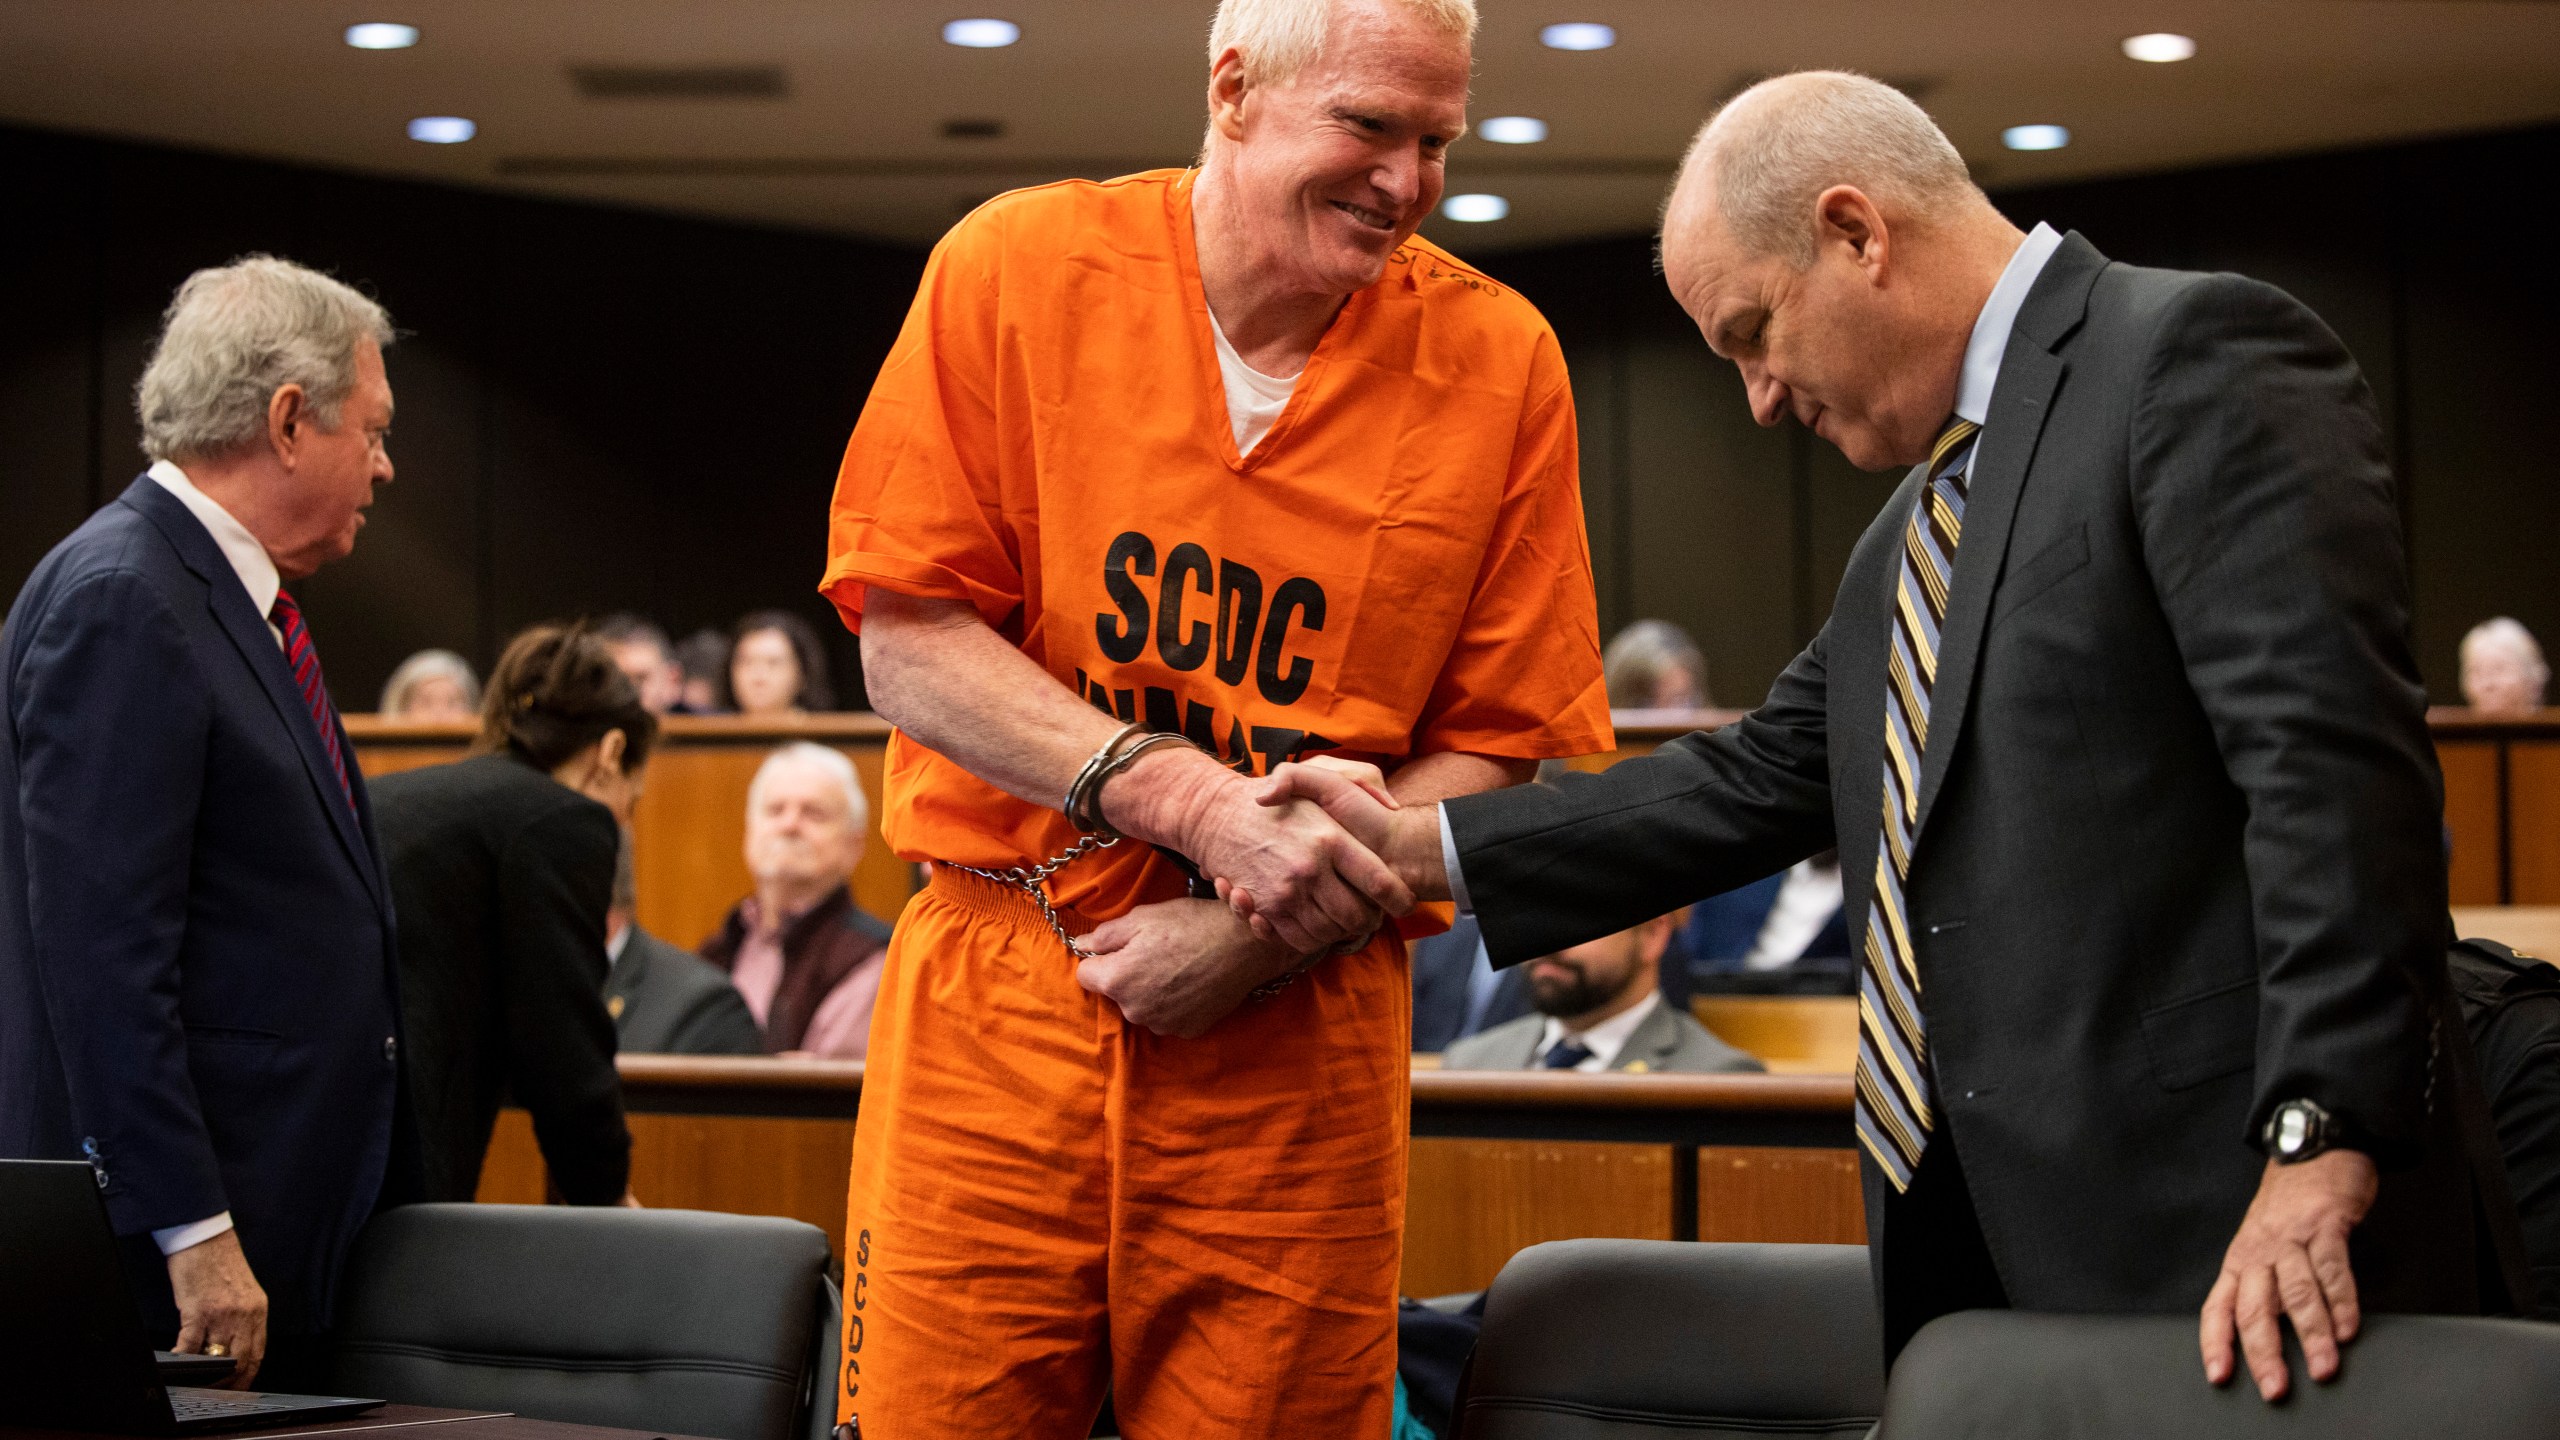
(1500, 1159)
(404, 1422)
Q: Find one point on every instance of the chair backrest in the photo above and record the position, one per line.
(1617, 1339)
(2094, 1377)
(675, 1321)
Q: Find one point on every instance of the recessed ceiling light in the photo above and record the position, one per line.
(2160, 47)
(382, 35)
(1578, 35)
(1475, 209)
(981, 34)
(442, 129)
(1513, 130)
(2035, 137)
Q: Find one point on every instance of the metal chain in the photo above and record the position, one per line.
(1029, 880)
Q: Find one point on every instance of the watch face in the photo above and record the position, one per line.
(2293, 1130)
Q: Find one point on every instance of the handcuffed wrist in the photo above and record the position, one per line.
(1161, 797)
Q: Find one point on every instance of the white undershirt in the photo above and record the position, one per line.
(1603, 1040)
(1254, 400)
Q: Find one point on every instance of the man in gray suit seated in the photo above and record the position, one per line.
(667, 1001)
(1599, 1007)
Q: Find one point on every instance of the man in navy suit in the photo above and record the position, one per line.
(197, 992)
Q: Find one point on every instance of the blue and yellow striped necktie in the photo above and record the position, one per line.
(1894, 1095)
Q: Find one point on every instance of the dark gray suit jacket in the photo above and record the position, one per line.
(666, 1001)
(1666, 1040)
(2180, 854)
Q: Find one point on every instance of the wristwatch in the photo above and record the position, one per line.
(2298, 1130)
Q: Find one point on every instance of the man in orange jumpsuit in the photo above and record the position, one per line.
(1224, 454)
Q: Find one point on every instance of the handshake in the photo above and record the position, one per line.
(1302, 856)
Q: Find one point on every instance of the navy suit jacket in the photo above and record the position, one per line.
(196, 984)
(1441, 965)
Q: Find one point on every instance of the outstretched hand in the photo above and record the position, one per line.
(1352, 795)
(2290, 1261)
(1306, 882)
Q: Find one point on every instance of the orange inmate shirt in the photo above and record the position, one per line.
(1398, 568)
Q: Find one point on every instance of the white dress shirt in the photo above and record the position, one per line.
(248, 558)
(1603, 1040)
(1982, 356)
(1807, 899)
(258, 576)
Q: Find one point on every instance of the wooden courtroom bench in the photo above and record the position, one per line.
(1500, 1159)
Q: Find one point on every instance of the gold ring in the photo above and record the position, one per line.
(217, 1350)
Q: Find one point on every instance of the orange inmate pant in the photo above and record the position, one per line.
(1046, 1198)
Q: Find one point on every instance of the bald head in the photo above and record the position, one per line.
(1826, 239)
(1761, 161)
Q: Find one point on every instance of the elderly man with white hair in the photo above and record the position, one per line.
(2503, 672)
(197, 993)
(806, 957)
(2116, 728)
(1168, 480)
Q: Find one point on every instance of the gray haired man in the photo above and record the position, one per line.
(197, 993)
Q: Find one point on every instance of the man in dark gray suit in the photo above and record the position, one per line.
(2155, 1012)
(1599, 1007)
(666, 1001)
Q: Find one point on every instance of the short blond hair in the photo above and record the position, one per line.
(1275, 39)
(1778, 145)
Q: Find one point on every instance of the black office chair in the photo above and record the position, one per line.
(676, 1321)
(2101, 1377)
(1620, 1339)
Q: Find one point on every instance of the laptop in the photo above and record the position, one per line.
(72, 1351)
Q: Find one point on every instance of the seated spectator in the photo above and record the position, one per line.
(1790, 922)
(806, 958)
(1456, 990)
(432, 685)
(1600, 1007)
(666, 1001)
(501, 869)
(776, 668)
(1654, 665)
(2503, 671)
(641, 649)
(704, 659)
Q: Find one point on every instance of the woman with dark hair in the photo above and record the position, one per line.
(776, 667)
(501, 870)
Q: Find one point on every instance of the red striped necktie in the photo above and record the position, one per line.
(304, 661)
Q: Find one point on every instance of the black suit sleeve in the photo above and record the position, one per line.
(2273, 540)
(1549, 866)
(719, 1023)
(112, 719)
(555, 882)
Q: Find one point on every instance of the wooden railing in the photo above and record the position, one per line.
(2502, 802)
(689, 833)
(2501, 805)
(1499, 1160)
